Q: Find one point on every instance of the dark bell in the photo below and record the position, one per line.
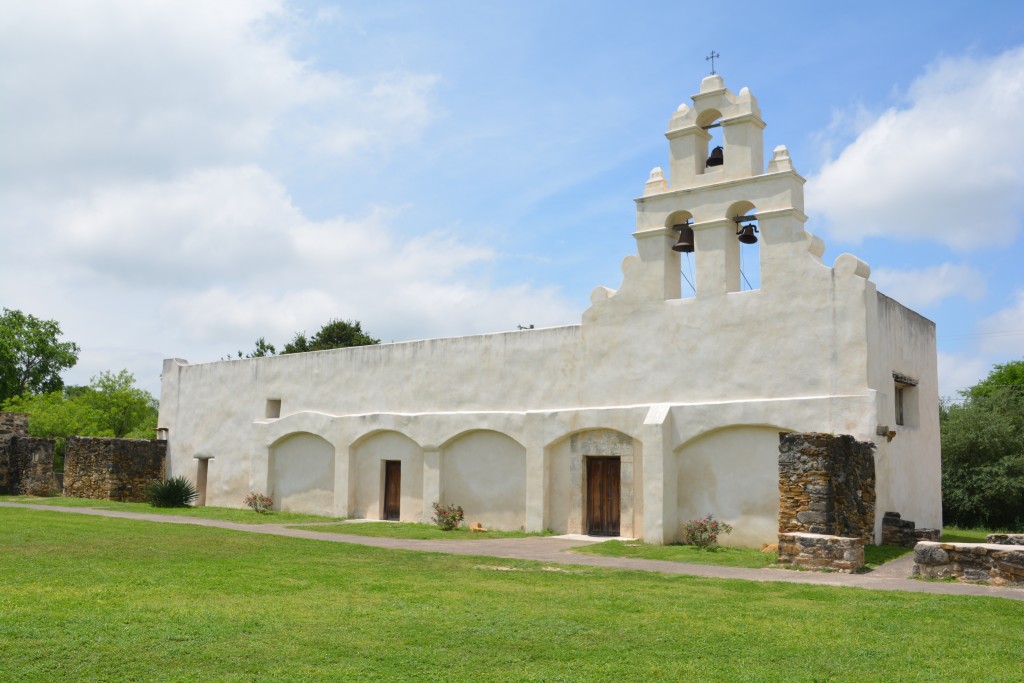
(746, 234)
(716, 158)
(685, 242)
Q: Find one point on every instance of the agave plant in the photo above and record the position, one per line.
(176, 492)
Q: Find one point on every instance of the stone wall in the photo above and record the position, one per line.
(827, 485)
(26, 463)
(14, 423)
(903, 532)
(819, 551)
(1005, 539)
(999, 565)
(112, 469)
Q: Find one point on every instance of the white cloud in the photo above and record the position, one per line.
(1004, 330)
(947, 167)
(124, 89)
(959, 371)
(926, 287)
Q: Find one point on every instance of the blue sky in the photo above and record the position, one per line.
(181, 178)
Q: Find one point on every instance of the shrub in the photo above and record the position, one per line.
(259, 502)
(177, 492)
(704, 533)
(447, 517)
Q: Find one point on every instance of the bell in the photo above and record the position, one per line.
(746, 234)
(685, 242)
(716, 158)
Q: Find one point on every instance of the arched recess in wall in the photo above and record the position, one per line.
(748, 257)
(733, 474)
(485, 472)
(567, 479)
(709, 121)
(369, 472)
(301, 474)
(680, 222)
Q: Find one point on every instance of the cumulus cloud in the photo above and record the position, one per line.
(959, 371)
(946, 166)
(143, 204)
(927, 287)
(1003, 332)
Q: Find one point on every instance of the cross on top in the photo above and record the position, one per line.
(711, 58)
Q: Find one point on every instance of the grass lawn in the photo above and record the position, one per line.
(725, 557)
(416, 531)
(101, 599)
(874, 555)
(243, 516)
(952, 534)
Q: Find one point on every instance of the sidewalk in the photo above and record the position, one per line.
(893, 576)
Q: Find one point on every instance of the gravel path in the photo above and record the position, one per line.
(893, 576)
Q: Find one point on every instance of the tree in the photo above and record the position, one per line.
(110, 406)
(336, 334)
(983, 452)
(262, 348)
(31, 355)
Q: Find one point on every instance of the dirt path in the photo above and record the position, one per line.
(893, 576)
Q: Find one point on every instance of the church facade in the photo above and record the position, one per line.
(664, 404)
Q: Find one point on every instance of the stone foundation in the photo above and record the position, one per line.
(1005, 539)
(820, 551)
(26, 462)
(112, 469)
(999, 565)
(826, 486)
(903, 532)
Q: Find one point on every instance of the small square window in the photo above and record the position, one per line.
(273, 408)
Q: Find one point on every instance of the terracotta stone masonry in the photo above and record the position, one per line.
(112, 469)
(903, 532)
(996, 564)
(826, 486)
(1006, 539)
(26, 462)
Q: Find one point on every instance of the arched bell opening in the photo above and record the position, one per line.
(748, 237)
(681, 222)
(712, 149)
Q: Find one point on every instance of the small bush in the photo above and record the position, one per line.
(447, 517)
(704, 533)
(259, 502)
(177, 492)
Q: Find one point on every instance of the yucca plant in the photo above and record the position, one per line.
(176, 492)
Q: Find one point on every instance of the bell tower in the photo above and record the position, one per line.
(714, 200)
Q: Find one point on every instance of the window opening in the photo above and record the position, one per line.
(905, 400)
(273, 408)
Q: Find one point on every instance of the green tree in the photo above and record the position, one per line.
(110, 406)
(261, 348)
(336, 334)
(983, 452)
(32, 355)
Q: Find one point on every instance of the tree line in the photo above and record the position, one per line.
(335, 334)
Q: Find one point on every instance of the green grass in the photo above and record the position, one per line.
(240, 516)
(877, 555)
(721, 556)
(952, 534)
(102, 599)
(415, 531)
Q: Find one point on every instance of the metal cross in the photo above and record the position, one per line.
(712, 57)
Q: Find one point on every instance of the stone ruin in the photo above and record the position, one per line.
(826, 500)
(26, 462)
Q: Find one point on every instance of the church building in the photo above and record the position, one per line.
(665, 403)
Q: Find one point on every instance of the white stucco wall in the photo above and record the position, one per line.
(485, 473)
(302, 474)
(695, 386)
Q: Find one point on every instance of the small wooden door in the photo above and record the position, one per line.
(392, 489)
(603, 496)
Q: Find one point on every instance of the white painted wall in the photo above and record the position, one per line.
(485, 473)
(812, 350)
(302, 474)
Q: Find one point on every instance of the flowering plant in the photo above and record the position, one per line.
(259, 502)
(704, 533)
(447, 517)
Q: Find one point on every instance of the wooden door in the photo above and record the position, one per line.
(392, 489)
(603, 496)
